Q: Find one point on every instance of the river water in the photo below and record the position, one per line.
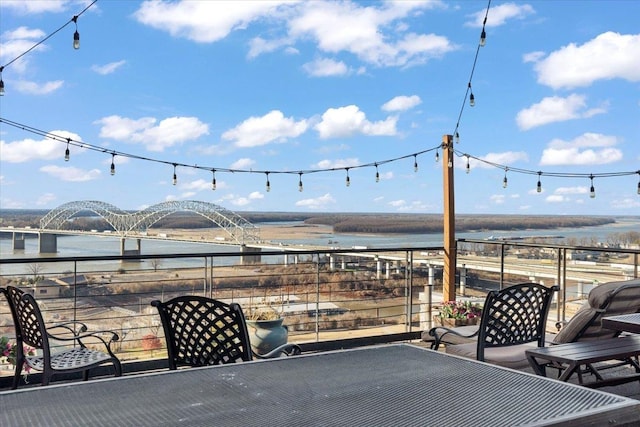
(69, 246)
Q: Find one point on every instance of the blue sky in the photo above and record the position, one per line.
(316, 91)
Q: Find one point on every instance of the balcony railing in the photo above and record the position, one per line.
(328, 298)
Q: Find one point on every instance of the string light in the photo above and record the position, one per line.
(592, 190)
(377, 173)
(67, 152)
(468, 168)
(437, 156)
(213, 179)
(268, 184)
(76, 42)
(539, 185)
(483, 37)
(457, 138)
(348, 180)
(76, 35)
(472, 99)
(415, 163)
(113, 164)
(504, 181)
(175, 177)
(638, 182)
(300, 188)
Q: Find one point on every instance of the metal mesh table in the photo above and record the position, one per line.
(623, 322)
(390, 385)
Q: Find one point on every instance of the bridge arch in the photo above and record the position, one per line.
(238, 228)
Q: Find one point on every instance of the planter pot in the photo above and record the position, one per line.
(449, 322)
(266, 335)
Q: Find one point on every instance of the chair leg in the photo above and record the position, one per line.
(117, 367)
(85, 375)
(17, 374)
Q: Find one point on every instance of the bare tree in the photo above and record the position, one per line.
(156, 263)
(35, 270)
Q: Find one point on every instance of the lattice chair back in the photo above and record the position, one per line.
(28, 320)
(201, 331)
(515, 315)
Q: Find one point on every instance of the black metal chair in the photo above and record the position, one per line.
(201, 331)
(513, 320)
(31, 330)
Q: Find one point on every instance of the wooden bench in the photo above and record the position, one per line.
(571, 357)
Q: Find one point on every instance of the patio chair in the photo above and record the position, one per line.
(201, 331)
(31, 330)
(513, 319)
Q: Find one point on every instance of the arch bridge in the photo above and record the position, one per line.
(239, 229)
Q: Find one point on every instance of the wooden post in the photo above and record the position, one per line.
(449, 273)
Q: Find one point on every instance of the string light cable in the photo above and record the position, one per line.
(69, 142)
(76, 42)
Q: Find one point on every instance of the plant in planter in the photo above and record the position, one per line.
(266, 331)
(9, 353)
(458, 313)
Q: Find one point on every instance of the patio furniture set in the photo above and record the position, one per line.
(339, 387)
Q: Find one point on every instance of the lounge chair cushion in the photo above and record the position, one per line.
(597, 300)
(509, 356)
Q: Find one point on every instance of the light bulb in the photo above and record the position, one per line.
(66, 154)
(113, 165)
(483, 38)
(348, 180)
(539, 185)
(175, 176)
(213, 182)
(300, 187)
(377, 176)
(437, 156)
(468, 165)
(638, 187)
(457, 137)
(472, 100)
(1, 87)
(415, 163)
(592, 190)
(76, 40)
(268, 186)
(450, 164)
(504, 182)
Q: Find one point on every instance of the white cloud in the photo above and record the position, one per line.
(373, 33)
(244, 163)
(154, 135)
(626, 203)
(608, 56)
(197, 185)
(402, 103)
(36, 6)
(317, 203)
(18, 41)
(108, 68)
(556, 109)
(72, 174)
(45, 149)
(505, 158)
(571, 190)
(500, 14)
(272, 127)
(205, 21)
(256, 195)
(556, 198)
(498, 199)
(34, 88)
(325, 67)
(337, 164)
(46, 199)
(349, 120)
(587, 149)
(397, 203)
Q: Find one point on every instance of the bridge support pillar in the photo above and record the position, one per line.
(249, 255)
(124, 251)
(47, 243)
(18, 241)
(378, 268)
(332, 263)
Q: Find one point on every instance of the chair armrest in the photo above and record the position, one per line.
(283, 350)
(439, 332)
(74, 333)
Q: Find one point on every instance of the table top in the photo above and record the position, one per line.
(623, 322)
(388, 385)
